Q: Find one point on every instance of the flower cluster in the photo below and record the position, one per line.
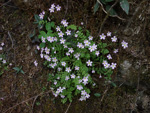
(74, 57)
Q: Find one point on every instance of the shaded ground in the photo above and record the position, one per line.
(132, 76)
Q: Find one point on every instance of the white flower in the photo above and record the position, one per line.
(53, 6)
(41, 55)
(82, 23)
(61, 34)
(68, 32)
(90, 38)
(53, 65)
(83, 92)
(93, 71)
(115, 50)
(85, 79)
(2, 44)
(76, 35)
(63, 63)
(58, 8)
(60, 90)
(124, 44)
(62, 41)
(76, 68)
(1, 48)
(63, 21)
(50, 39)
(55, 39)
(89, 63)
(35, 63)
(54, 59)
(114, 39)
(77, 55)
(47, 50)
(87, 43)
(62, 96)
(59, 69)
(71, 50)
(106, 65)
(67, 78)
(102, 37)
(41, 16)
(109, 56)
(97, 53)
(87, 96)
(68, 69)
(79, 87)
(55, 82)
(91, 49)
(109, 33)
(57, 28)
(72, 75)
(80, 45)
(38, 48)
(65, 46)
(43, 39)
(51, 10)
(66, 24)
(100, 76)
(67, 53)
(113, 65)
(94, 46)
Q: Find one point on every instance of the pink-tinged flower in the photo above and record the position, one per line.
(53, 6)
(73, 75)
(124, 44)
(79, 87)
(63, 64)
(62, 41)
(66, 24)
(68, 32)
(57, 28)
(113, 65)
(90, 38)
(1, 48)
(115, 50)
(58, 8)
(87, 43)
(102, 36)
(109, 33)
(47, 51)
(68, 54)
(87, 96)
(93, 71)
(51, 10)
(41, 55)
(71, 50)
(80, 45)
(63, 21)
(41, 16)
(43, 39)
(38, 48)
(76, 35)
(89, 63)
(83, 92)
(109, 56)
(35, 63)
(82, 23)
(97, 53)
(50, 39)
(114, 39)
(2, 44)
(61, 34)
(68, 69)
(76, 68)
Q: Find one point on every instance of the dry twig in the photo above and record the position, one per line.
(68, 108)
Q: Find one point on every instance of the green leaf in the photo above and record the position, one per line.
(32, 34)
(52, 24)
(48, 26)
(42, 45)
(125, 5)
(22, 71)
(72, 27)
(37, 18)
(112, 12)
(97, 94)
(103, 1)
(109, 0)
(16, 68)
(113, 84)
(105, 51)
(42, 33)
(64, 100)
(96, 6)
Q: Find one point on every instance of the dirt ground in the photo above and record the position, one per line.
(30, 92)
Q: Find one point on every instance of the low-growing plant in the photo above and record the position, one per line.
(18, 70)
(73, 55)
(3, 64)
